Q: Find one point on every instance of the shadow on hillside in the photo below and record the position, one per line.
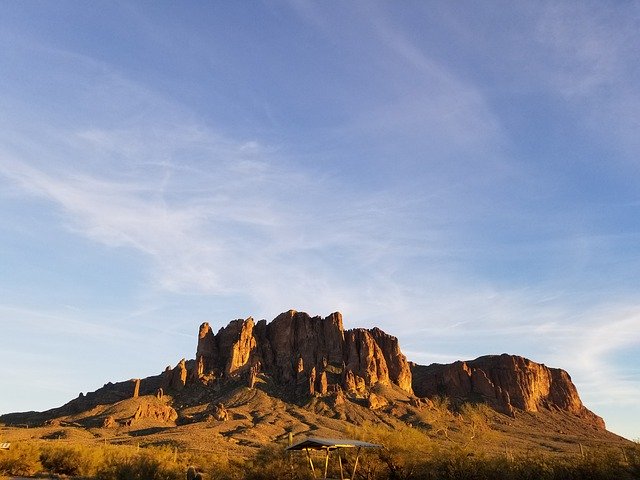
(148, 431)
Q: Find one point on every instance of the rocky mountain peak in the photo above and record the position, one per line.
(313, 354)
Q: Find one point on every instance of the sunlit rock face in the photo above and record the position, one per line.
(313, 354)
(297, 357)
(506, 383)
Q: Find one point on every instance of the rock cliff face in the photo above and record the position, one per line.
(313, 354)
(300, 356)
(505, 382)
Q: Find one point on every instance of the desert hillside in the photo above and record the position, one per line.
(253, 384)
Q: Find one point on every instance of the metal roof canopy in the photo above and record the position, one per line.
(329, 444)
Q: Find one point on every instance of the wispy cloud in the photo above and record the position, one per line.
(591, 52)
(416, 220)
(231, 224)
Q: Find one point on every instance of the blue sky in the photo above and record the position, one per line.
(463, 176)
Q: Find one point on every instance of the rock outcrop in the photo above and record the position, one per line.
(297, 356)
(505, 382)
(136, 387)
(220, 413)
(178, 377)
(376, 402)
(109, 422)
(309, 353)
(153, 411)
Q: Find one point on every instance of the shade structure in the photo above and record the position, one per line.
(317, 443)
(328, 445)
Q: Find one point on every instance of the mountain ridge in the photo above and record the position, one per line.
(306, 373)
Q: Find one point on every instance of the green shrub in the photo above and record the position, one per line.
(213, 466)
(147, 464)
(633, 458)
(21, 460)
(273, 461)
(70, 460)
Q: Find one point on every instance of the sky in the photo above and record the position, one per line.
(463, 175)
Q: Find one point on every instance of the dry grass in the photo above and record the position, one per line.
(409, 453)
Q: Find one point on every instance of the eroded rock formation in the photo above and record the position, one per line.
(136, 387)
(109, 422)
(176, 378)
(220, 413)
(297, 356)
(375, 402)
(154, 411)
(505, 382)
(309, 352)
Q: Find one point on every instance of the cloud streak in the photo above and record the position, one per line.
(589, 47)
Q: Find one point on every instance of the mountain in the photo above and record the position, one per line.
(507, 383)
(254, 382)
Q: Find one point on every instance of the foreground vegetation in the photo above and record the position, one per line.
(408, 454)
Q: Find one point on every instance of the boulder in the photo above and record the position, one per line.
(220, 413)
(109, 422)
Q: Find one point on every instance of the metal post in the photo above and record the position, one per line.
(290, 456)
(355, 465)
(313, 470)
(326, 464)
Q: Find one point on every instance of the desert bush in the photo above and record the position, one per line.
(410, 454)
(214, 466)
(21, 460)
(273, 461)
(147, 464)
(460, 466)
(600, 465)
(404, 449)
(70, 460)
(474, 424)
(633, 456)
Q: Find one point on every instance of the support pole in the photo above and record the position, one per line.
(355, 465)
(340, 462)
(313, 470)
(326, 464)
(290, 456)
